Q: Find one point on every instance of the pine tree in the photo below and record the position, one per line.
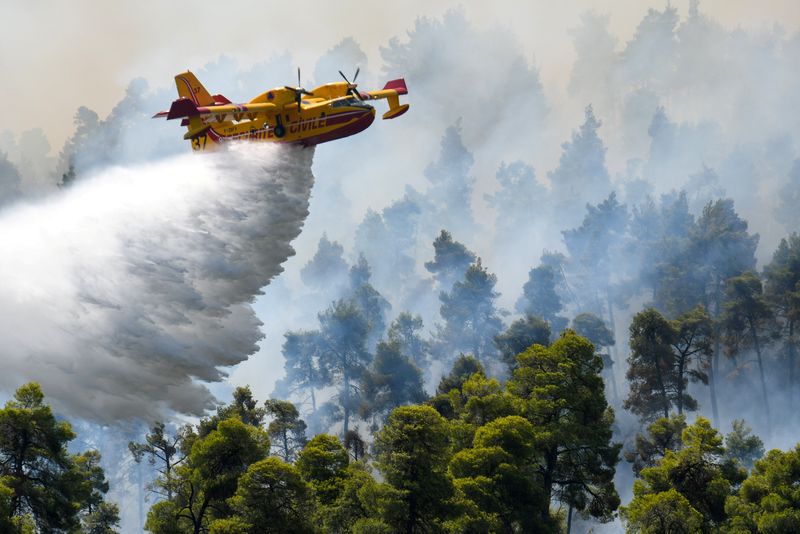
(470, 318)
(451, 260)
(581, 175)
(562, 395)
(744, 318)
(343, 352)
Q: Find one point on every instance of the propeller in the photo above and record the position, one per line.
(298, 91)
(351, 87)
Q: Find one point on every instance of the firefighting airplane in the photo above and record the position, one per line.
(284, 114)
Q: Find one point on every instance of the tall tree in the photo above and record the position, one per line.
(451, 182)
(369, 301)
(593, 248)
(520, 335)
(327, 270)
(562, 395)
(581, 175)
(540, 299)
(742, 445)
(663, 434)
(470, 317)
(45, 484)
(405, 331)
(720, 247)
(301, 352)
(164, 450)
(693, 482)
(650, 366)
(693, 347)
(391, 381)
(286, 430)
(271, 498)
(209, 477)
(450, 261)
(412, 454)
(323, 463)
(745, 315)
(595, 330)
(782, 292)
(768, 500)
(243, 407)
(788, 200)
(495, 480)
(344, 331)
(665, 356)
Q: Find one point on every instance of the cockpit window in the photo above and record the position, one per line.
(352, 101)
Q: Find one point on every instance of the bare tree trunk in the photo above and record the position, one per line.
(569, 520)
(765, 398)
(614, 352)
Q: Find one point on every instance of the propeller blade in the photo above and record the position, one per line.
(358, 69)
(345, 77)
(298, 76)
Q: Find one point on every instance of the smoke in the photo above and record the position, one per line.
(125, 294)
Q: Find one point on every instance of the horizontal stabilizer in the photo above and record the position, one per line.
(398, 85)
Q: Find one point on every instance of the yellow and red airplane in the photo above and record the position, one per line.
(283, 115)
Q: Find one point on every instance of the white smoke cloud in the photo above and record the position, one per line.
(126, 293)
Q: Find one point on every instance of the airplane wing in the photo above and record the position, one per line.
(391, 91)
(185, 108)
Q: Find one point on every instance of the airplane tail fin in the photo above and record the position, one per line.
(190, 87)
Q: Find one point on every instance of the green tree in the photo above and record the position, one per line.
(719, 248)
(451, 260)
(322, 463)
(304, 373)
(412, 452)
(693, 347)
(470, 317)
(344, 355)
(391, 381)
(595, 330)
(208, 478)
(355, 444)
(102, 520)
(562, 394)
(497, 479)
(698, 472)
(243, 406)
(286, 430)
(745, 317)
(520, 335)
(404, 331)
(667, 512)
(163, 450)
(271, 497)
(540, 299)
(48, 486)
(663, 434)
(782, 292)
(741, 445)
(651, 366)
(768, 500)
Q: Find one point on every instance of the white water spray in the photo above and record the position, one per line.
(125, 293)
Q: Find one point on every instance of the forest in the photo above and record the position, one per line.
(608, 346)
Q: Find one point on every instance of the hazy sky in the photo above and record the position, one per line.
(56, 56)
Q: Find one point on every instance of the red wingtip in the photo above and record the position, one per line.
(398, 85)
(220, 100)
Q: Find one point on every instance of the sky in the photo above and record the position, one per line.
(57, 56)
